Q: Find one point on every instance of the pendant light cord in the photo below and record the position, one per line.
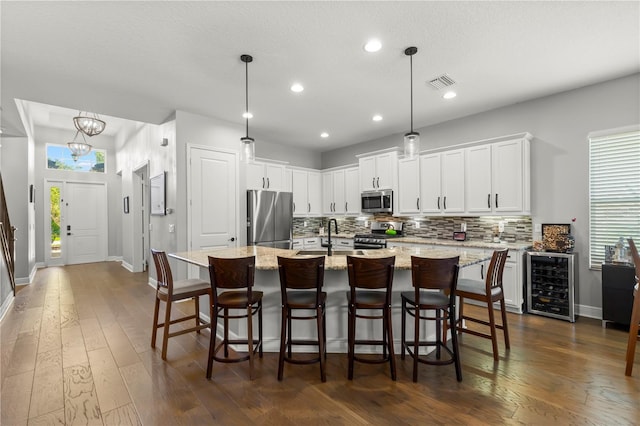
(411, 73)
(246, 94)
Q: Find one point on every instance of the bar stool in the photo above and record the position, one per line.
(170, 291)
(236, 275)
(428, 275)
(375, 275)
(634, 324)
(304, 277)
(489, 292)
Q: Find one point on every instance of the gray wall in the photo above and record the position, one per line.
(559, 153)
(17, 175)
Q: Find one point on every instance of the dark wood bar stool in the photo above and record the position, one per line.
(634, 324)
(301, 283)
(375, 277)
(170, 291)
(489, 292)
(237, 276)
(428, 275)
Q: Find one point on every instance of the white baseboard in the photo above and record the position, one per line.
(588, 311)
(114, 259)
(153, 283)
(6, 304)
(127, 266)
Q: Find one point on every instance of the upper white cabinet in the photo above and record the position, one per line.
(306, 186)
(453, 172)
(266, 176)
(498, 177)
(430, 184)
(341, 192)
(409, 185)
(352, 191)
(333, 192)
(379, 171)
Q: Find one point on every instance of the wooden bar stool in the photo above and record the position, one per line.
(237, 276)
(375, 276)
(301, 287)
(169, 291)
(489, 292)
(428, 275)
(635, 313)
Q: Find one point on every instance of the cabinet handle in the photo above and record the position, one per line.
(444, 202)
(438, 202)
(294, 207)
(482, 271)
(262, 183)
(268, 183)
(345, 207)
(308, 207)
(418, 203)
(489, 200)
(497, 201)
(373, 182)
(378, 182)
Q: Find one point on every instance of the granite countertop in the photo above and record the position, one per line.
(266, 257)
(316, 235)
(470, 243)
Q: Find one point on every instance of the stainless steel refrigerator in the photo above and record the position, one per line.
(269, 218)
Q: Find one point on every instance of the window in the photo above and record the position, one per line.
(59, 158)
(614, 190)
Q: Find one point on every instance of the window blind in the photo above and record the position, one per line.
(614, 191)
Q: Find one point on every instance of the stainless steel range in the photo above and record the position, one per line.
(380, 233)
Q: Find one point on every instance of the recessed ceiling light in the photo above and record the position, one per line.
(247, 115)
(324, 135)
(297, 87)
(373, 45)
(377, 117)
(449, 95)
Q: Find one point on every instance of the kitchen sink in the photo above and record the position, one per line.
(333, 252)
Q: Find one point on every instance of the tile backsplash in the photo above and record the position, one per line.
(516, 228)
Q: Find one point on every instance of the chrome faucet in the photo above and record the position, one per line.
(329, 244)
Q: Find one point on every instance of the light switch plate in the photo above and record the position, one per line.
(172, 228)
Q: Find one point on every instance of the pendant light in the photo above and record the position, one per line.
(89, 124)
(78, 149)
(248, 144)
(411, 139)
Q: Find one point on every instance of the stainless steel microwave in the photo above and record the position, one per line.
(377, 201)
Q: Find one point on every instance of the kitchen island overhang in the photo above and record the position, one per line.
(336, 284)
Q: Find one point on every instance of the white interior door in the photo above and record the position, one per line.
(140, 211)
(86, 222)
(213, 199)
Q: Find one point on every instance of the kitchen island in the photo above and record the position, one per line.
(336, 284)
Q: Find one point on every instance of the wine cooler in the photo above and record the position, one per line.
(551, 283)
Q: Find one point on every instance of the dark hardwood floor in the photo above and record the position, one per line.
(75, 349)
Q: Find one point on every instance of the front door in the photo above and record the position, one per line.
(213, 199)
(86, 224)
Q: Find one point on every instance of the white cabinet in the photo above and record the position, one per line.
(498, 177)
(265, 176)
(306, 186)
(352, 191)
(339, 243)
(379, 171)
(442, 183)
(409, 185)
(333, 192)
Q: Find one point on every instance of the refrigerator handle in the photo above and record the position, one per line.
(263, 183)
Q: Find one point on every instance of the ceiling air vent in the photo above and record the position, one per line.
(441, 82)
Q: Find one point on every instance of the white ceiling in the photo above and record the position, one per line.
(143, 60)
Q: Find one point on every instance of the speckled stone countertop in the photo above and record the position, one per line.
(316, 235)
(266, 257)
(470, 244)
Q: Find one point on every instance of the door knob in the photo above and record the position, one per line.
(232, 239)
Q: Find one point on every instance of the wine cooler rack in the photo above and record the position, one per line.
(551, 283)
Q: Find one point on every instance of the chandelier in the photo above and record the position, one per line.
(78, 149)
(248, 144)
(411, 139)
(89, 124)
